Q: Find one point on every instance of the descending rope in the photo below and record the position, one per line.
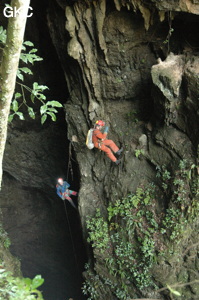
(70, 231)
(74, 252)
(69, 163)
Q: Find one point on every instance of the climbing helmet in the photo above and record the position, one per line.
(100, 123)
(60, 180)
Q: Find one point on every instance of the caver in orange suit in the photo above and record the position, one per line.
(100, 142)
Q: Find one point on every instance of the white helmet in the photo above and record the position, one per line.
(60, 180)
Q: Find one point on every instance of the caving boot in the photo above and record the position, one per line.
(119, 152)
(74, 193)
(117, 162)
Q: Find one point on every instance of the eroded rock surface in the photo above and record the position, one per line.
(109, 58)
(117, 67)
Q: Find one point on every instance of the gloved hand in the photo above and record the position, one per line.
(106, 129)
(63, 198)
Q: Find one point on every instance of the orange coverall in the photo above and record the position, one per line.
(100, 142)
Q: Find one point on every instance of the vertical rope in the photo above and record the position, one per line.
(69, 163)
(75, 256)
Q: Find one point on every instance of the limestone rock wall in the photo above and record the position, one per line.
(107, 57)
(107, 71)
(107, 50)
(177, 81)
(117, 66)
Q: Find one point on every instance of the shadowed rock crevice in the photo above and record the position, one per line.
(45, 239)
(41, 238)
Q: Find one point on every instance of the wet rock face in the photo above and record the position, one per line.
(188, 6)
(108, 71)
(35, 158)
(177, 79)
(128, 55)
(107, 56)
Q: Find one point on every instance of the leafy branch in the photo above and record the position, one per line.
(3, 35)
(19, 288)
(47, 108)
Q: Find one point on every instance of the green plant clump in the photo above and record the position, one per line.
(15, 288)
(98, 232)
(133, 236)
(4, 239)
(139, 152)
(125, 242)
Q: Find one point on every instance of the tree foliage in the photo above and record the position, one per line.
(48, 108)
(15, 288)
(10, 61)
